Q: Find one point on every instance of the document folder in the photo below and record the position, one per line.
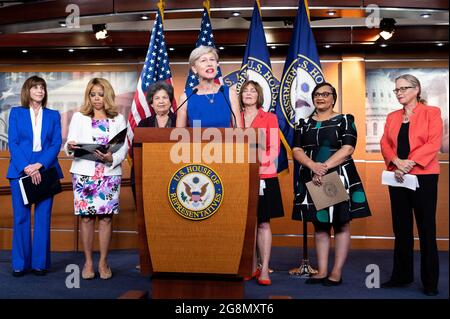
(49, 186)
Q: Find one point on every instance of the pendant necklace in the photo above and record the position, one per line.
(210, 99)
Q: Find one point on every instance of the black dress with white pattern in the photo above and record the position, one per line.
(320, 140)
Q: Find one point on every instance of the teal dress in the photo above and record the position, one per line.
(320, 140)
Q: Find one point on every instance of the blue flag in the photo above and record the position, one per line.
(301, 73)
(205, 37)
(256, 63)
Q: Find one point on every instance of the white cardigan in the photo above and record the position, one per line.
(80, 131)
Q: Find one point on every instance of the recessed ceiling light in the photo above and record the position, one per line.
(440, 44)
(221, 48)
(327, 46)
(383, 45)
(425, 15)
(171, 49)
(273, 47)
(62, 24)
(331, 12)
(236, 14)
(24, 51)
(144, 17)
(119, 49)
(71, 50)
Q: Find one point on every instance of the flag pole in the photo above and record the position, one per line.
(305, 269)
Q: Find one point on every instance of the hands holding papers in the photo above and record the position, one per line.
(96, 152)
(399, 180)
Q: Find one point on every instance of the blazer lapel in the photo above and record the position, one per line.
(45, 125)
(28, 127)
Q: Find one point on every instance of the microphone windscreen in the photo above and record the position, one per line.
(194, 91)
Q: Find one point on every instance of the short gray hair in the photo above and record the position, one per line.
(201, 50)
(157, 86)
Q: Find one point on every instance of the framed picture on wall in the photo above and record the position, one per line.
(380, 100)
(65, 93)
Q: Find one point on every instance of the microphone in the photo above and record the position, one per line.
(194, 91)
(229, 106)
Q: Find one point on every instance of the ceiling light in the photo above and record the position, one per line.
(273, 47)
(331, 12)
(387, 28)
(100, 31)
(327, 46)
(383, 45)
(71, 50)
(62, 24)
(440, 44)
(171, 49)
(119, 49)
(221, 48)
(236, 14)
(425, 15)
(24, 51)
(144, 17)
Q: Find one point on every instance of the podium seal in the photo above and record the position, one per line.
(195, 192)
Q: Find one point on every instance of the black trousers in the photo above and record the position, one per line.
(423, 202)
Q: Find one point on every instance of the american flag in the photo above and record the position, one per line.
(205, 37)
(156, 68)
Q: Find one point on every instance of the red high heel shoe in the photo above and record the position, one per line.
(264, 282)
(255, 274)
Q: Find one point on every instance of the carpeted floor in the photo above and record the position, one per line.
(126, 277)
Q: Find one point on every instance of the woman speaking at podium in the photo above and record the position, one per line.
(212, 105)
(96, 184)
(34, 139)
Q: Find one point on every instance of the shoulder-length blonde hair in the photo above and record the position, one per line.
(108, 98)
(25, 98)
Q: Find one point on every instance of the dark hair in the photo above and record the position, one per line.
(25, 98)
(333, 91)
(258, 88)
(155, 87)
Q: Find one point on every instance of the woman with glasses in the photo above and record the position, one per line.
(410, 145)
(324, 143)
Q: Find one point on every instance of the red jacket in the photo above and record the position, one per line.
(268, 122)
(425, 138)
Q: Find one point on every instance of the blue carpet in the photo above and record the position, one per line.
(127, 277)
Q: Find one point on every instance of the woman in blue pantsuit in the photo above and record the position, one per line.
(34, 139)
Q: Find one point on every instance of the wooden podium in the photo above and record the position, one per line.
(193, 250)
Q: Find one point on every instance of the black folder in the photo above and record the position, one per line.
(86, 151)
(49, 186)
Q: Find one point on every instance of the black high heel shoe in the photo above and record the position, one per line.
(331, 283)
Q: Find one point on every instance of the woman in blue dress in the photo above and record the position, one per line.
(213, 105)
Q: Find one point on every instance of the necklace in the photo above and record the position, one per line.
(210, 99)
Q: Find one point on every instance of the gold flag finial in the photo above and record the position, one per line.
(259, 7)
(161, 6)
(307, 10)
(207, 5)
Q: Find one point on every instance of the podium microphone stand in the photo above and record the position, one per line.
(305, 269)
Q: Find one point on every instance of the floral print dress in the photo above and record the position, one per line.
(98, 194)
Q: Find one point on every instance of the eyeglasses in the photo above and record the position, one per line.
(402, 89)
(323, 94)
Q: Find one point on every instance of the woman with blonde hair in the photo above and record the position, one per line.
(96, 184)
(209, 103)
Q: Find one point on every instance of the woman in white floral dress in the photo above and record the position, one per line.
(96, 184)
